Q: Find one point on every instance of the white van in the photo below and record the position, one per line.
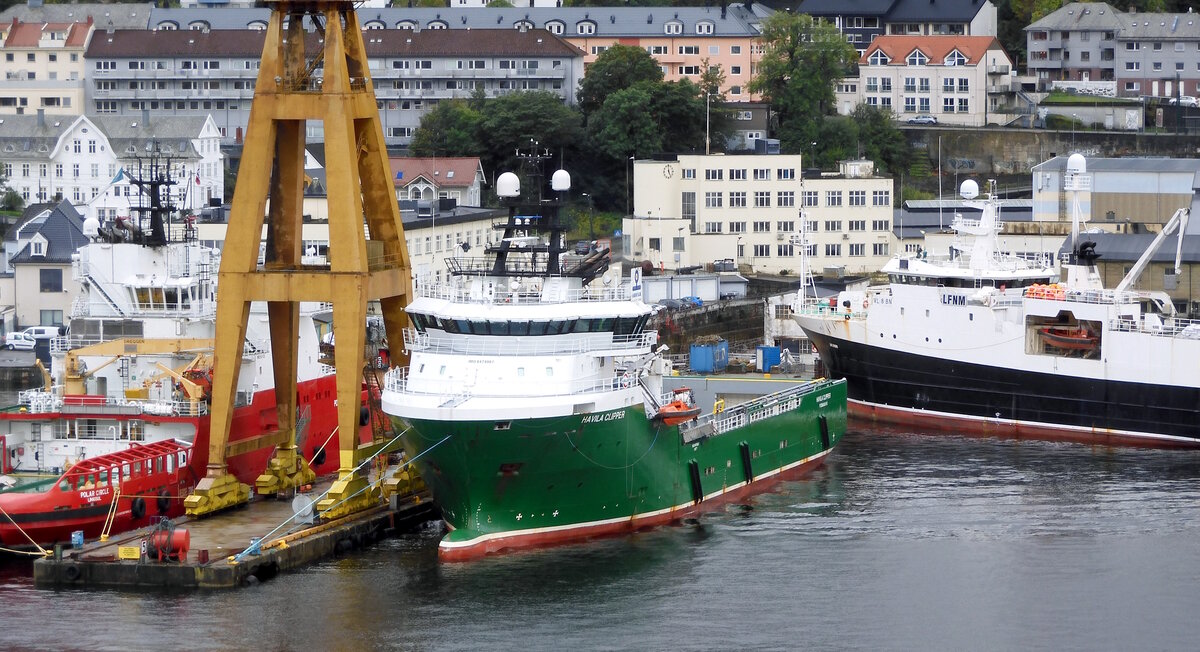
(42, 332)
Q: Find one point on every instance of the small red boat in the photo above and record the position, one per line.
(679, 410)
(1069, 337)
(145, 481)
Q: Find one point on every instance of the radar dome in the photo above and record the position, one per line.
(91, 227)
(1076, 164)
(560, 181)
(508, 185)
(970, 189)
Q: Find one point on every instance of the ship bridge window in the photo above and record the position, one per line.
(538, 327)
(518, 328)
(499, 327)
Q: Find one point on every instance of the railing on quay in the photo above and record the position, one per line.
(587, 343)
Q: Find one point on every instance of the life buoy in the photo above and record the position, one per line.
(164, 502)
(137, 508)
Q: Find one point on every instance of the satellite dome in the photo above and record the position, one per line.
(560, 181)
(508, 185)
(1076, 164)
(91, 227)
(970, 189)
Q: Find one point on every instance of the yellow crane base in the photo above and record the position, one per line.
(349, 494)
(286, 470)
(214, 494)
(403, 481)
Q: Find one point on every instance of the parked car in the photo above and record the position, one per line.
(923, 119)
(43, 332)
(583, 247)
(1184, 100)
(671, 304)
(692, 301)
(19, 342)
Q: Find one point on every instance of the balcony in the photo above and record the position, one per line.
(998, 70)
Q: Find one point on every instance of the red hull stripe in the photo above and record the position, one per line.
(542, 537)
(871, 414)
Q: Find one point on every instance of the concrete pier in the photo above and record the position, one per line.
(217, 539)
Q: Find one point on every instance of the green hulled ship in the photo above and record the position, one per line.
(535, 409)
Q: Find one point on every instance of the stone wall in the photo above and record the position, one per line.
(998, 151)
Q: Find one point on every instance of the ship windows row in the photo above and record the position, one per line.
(618, 326)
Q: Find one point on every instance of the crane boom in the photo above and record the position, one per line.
(1178, 221)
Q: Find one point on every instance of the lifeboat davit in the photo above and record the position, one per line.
(678, 411)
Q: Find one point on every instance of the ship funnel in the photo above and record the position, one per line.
(508, 185)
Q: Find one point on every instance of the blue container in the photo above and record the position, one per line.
(77, 539)
(766, 357)
(709, 358)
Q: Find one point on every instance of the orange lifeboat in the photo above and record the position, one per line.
(679, 410)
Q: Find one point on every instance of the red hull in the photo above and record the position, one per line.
(584, 532)
(866, 414)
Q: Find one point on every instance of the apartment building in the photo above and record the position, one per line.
(861, 22)
(213, 72)
(961, 80)
(42, 66)
(759, 211)
(89, 161)
(680, 38)
(1098, 49)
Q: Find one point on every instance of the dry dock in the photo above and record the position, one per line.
(218, 539)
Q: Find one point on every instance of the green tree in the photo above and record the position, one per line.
(802, 61)
(617, 68)
(449, 129)
(511, 121)
(879, 140)
(624, 125)
(500, 3)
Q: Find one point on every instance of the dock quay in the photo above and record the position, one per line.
(218, 557)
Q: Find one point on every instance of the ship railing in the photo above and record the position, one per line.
(822, 307)
(499, 295)
(39, 401)
(397, 380)
(1181, 328)
(752, 411)
(541, 345)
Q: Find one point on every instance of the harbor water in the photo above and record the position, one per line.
(903, 541)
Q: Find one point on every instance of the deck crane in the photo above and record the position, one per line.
(323, 75)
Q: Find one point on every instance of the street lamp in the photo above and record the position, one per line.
(591, 229)
(627, 189)
(1074, 119)
(707, 110)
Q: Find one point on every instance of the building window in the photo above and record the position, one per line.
(51, 318)
(879, 249)
(737, 175)
(712, 199)
(917, 58)
(655, 244)
(785, 174)
(737, 199)
(858, 225)
(737, 227)
(858, 197)
(762, 174)
(785, 198)
(714, 175)
(878, 58)
(689, 173)
(689, 206)
(833, 198)
(762, 199)
(786, 226)
(858, 249)
(762, 251)
(712, 227)
(833, 226)
(51, 279)
(762, 226)
(833, 250)
(880, 225)
(784, 250)
(808, 198)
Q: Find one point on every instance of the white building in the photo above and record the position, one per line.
(88, 160)
(699, 209)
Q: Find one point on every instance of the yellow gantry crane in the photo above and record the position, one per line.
(322, 75)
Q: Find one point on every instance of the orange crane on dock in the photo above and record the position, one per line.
(323, 75)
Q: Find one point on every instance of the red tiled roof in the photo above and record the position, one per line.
(27, 35)
(897, 48)
(380, 42)
(451, 172)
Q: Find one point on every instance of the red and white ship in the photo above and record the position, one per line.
(134, 367)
